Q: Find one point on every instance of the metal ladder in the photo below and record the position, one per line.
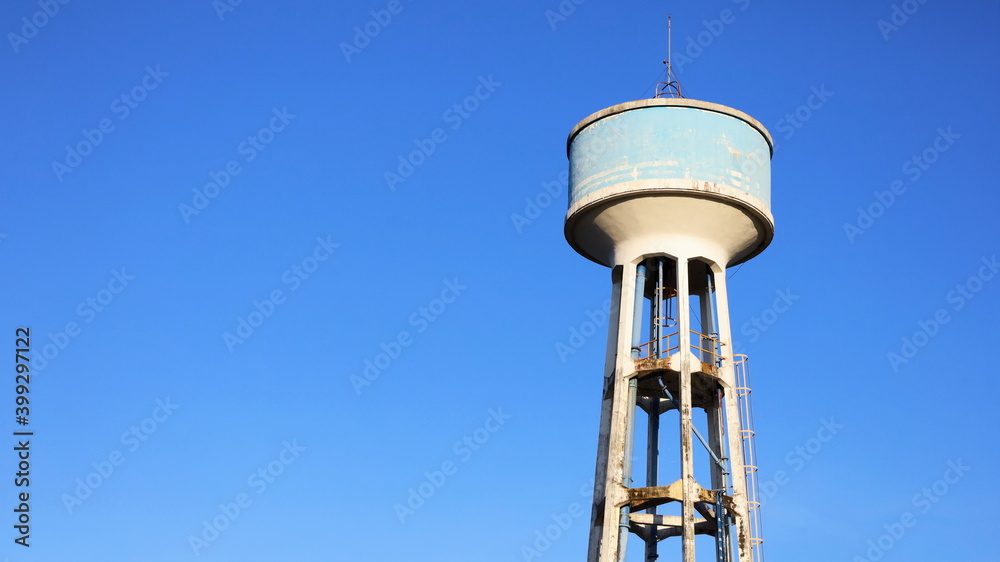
(742, 368)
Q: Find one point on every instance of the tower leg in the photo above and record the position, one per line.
(613, 537)
(597, 520)
(687, 449)
(736, 461)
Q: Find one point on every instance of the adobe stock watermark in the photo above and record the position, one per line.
(533, 206)
(582, 332)
(957, 298)
(87, 310)
(555, 190)
(547, 536)
(122, 107)
(131, 439)
(249, 148)
(463, 450)
(793, 121)
(913, 168)
(420, 320)
(784, 299)
(292, 278)
(790, 124)
(898, 17)
(225, 7)
(713, 29)
(454, 117)
(922, 502)
(563, 11)
(798, 457)
(363, 34)
(31, 25)
(258, 481)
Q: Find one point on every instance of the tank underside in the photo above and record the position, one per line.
(619, 223)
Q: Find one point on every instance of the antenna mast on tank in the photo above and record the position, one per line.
(671, 87)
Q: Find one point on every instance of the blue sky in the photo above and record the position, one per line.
(173, 172)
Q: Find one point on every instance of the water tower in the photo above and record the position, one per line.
(670, 192)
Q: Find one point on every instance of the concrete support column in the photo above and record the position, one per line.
(687, 452)
(597, 521)
(612, 547)
(734, 436)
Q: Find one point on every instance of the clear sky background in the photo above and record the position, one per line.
(240, 177)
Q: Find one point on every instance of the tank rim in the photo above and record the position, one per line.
(670, 102)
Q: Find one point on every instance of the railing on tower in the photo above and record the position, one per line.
(707, 348)
(742, 369)
(667, 346)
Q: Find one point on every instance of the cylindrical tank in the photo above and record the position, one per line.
(668, 173)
